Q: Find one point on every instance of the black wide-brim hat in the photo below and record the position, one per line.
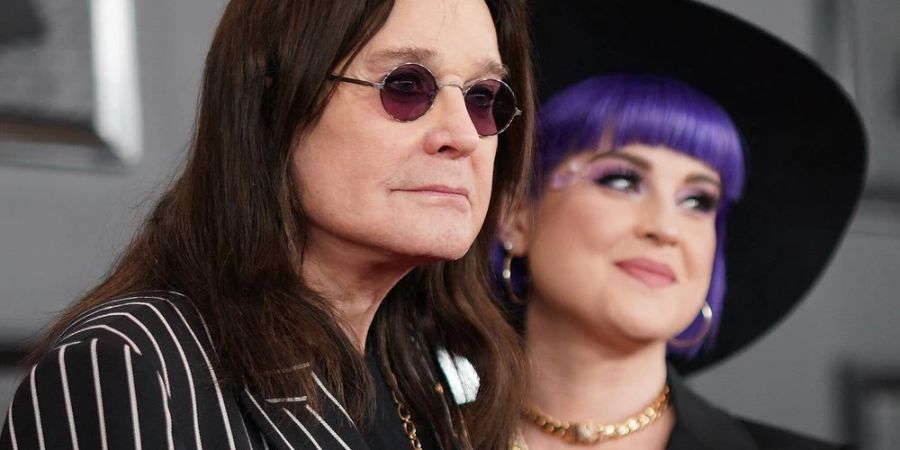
(805, 144)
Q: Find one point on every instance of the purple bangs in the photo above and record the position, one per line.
(617, 110)
(641, 109)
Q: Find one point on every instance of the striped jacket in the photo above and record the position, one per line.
(138, 373)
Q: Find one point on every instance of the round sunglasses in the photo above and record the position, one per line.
(408, 92)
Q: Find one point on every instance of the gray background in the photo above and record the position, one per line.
(59, 230)
(50, 77)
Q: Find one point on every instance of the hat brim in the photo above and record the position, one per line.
(804, 140)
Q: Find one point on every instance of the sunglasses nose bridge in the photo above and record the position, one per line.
(439, 87)
(452, 84)
(455, 112)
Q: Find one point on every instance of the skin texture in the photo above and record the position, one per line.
(595, 332)
(372, 187)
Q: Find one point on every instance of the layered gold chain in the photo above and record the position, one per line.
(405, 416)
(408, 426)
(592, 432)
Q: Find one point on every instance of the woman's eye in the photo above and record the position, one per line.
(704, 203)
(626, 182)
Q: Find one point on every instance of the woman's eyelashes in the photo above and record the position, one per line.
(701, 201)
(630, 180)
(619, 178)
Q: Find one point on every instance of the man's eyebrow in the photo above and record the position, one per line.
(494, 68)
(400, 55)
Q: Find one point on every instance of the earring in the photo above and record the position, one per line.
(706, 312)
(507, 273)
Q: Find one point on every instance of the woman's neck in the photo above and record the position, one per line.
(578, 377)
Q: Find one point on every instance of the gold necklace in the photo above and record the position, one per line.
(405, 416)
(518, 441)
(592, 432)
(408, 426)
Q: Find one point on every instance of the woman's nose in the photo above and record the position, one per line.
(658, 223)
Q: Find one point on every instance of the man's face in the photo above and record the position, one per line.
(418, 190)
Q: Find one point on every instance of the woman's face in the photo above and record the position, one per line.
(621, 244)
(413, 191)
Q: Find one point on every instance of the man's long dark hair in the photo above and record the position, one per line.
(229, 232)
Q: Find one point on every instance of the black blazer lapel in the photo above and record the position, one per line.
(700, 425)
(290, 423)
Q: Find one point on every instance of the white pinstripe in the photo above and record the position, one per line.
(187, 367)
(212, 344)
(246, 433)
(202, 322)
(64, 379)
(303, 429)
(331, 397)
(153, 341)
(135, 421)
(212, 374)
(93, 320)
(95, 370)
(101, 307)
(261, 411)
(131, 343)
(12, 428)
(37, 411)
(170, 444)
(287, 399)
(327, 427)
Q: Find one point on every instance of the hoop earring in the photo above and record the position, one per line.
(706, 312)
(507, 274)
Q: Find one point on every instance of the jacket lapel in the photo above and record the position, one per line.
(700, 425)
(290, 423)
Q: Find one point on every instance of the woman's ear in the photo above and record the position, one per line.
(515, 229)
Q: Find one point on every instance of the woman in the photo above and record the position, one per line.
(623, 248)
(620, 255)
(324, 240)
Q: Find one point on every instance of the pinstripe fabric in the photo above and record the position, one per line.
(138, 373)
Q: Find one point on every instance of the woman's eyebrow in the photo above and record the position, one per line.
(636, 160)
(703, 178)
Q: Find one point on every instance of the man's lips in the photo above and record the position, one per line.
(439, 190)
(651, 273)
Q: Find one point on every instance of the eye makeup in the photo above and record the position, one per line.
(620, 172)
(615, 174)
(699, 199)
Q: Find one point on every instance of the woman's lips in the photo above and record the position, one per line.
(653, 274)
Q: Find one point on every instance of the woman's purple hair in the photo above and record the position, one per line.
(627, 109)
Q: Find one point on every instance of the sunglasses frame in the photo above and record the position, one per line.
(380, 86)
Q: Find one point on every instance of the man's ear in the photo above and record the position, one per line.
(515, 228)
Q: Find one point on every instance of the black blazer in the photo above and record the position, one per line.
(138, 372)
(702, 426)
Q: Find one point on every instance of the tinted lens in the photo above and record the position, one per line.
(491, 105)
(408, 92)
